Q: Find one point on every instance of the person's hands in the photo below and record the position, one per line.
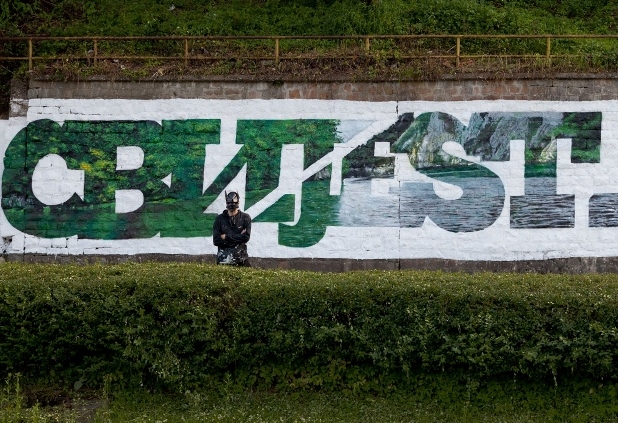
(243, 231)
(222, 236)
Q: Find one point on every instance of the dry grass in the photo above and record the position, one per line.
(312, 67)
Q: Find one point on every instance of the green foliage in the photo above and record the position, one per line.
(303, 17)
(262, 143)
(435, 400)
(11, 399)
(18, 17)
(306, 17)
(186, 326)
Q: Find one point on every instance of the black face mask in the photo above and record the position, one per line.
(231, 200)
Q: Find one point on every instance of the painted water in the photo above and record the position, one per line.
(603, 211)
(406, 205)
(541, 207)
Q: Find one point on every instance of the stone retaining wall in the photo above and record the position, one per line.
(560, 88)
(544, 152)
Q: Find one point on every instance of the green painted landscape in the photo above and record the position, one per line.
(177, 150)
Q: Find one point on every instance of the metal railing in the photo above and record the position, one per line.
(185, 51)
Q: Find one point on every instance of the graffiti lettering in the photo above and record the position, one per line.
(139, 179)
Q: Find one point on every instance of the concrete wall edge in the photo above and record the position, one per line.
(573, 265)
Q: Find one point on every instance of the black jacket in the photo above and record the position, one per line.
(232, 226)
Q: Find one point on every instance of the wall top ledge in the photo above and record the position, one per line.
(575, 265)
(562, 87)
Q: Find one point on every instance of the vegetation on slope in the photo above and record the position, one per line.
(305, 17)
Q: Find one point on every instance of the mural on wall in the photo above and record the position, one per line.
(488, 136)
(114, 179)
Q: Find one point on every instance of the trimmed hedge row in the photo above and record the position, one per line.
(185, 326)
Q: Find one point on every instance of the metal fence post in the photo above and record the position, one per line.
(457, 51)
(548, 50)
(186, 52)
(277, 51)
(29, 54)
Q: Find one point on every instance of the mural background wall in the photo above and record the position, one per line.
(477, 180)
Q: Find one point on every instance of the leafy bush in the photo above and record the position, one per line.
(304, 17)
(184, 326)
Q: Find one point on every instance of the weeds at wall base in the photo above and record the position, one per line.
(431, 398)
(24, 402)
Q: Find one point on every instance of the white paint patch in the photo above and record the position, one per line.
(53, 183)
(129, 158)
(128, 200)
(217, 158)
(167, 180)
(348, 129)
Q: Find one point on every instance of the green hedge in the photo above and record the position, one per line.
(186, 326)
